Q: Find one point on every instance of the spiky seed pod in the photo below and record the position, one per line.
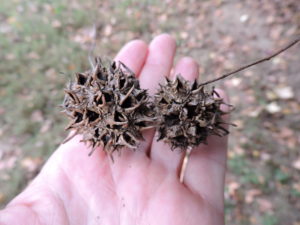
(107, 106)
(188, 114)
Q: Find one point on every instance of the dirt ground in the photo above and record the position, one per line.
(263, 179)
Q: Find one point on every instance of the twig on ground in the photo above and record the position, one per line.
(253, 63)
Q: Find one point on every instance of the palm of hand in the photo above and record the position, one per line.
(141, 187)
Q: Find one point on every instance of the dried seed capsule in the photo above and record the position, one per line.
(107, 106)
(188, 114)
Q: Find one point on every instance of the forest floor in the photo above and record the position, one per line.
(41, 39)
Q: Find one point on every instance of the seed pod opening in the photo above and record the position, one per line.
(188, 114)
(107, 106)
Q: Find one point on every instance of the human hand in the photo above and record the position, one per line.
(140, 187)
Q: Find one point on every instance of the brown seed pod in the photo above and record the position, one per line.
(107, 106)
(188, 114)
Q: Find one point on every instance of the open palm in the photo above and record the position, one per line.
(140, 187)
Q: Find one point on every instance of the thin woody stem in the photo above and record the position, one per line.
(253, 63)
(184, 164)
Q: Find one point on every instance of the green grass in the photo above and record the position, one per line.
(269, 219)
(33, 53)
(240, 166)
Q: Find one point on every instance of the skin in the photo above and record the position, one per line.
(140, 187)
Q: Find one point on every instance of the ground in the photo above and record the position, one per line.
(43, 43)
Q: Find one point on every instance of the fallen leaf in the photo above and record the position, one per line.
(273, 108)
(251, 194)
(33, 55)
(46, 126)
(227, 41)
(37, 116)
(271, 95)
(10, 56)
(238, 151)
(286, 132)
(239, 123)
(56, 24)
(107, 30)
(8, 163)
(270, 19)
(265, 156)
(31, 164)
(255, 112)
(296, 164)
(184, 35)
(276, 32)
(232, 187)
(244, 18)
(163, 18)
(255, 153)
(236, 81)
(2, 197)
(264, 205)
(297, 186)
(12, 20)
(284, 92)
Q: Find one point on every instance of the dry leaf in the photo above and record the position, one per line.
(255, 112)
(244, 18)
(232, 187)
(286, 132)
(46, 126)
(107, 30)
(239, 124)
(296, 186)
(56, 24)
(31, 164)
(264, 205)
(236, 81)
(251, 194)
(271, 95)
(284, 92)
(2, 197)
(296, 164)
(265, 156)
(273, 108)
(37, 116)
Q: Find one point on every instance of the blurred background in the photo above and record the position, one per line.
(44, 42)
